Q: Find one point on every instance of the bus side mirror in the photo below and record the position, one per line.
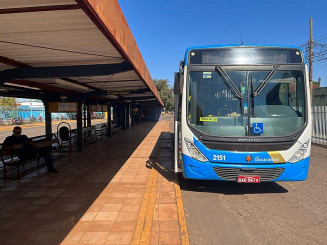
(177, 83)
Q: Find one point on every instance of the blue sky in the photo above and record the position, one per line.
(164, 29)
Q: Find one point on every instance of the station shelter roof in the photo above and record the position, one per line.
(51, 49)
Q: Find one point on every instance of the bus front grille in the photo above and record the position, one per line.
(266, 174)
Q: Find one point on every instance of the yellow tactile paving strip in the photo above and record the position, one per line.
(131, 210)
(181, 214)
(144, 223)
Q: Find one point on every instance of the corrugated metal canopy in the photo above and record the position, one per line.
(80, 47)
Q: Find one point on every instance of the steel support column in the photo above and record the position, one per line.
(88, 114)
(127, 110)
(84, 115)
(133, 116)
(124, 117)
(79, 138)
(121, 116)
(109, 126)
(116, 115)
(48, 123)
(138, 115)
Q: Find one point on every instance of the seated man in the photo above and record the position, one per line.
(24, 148)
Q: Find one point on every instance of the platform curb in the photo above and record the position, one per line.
(181, 214)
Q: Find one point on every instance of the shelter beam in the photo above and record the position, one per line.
(39, 9)
(63, 71)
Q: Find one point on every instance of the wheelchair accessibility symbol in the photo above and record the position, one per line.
(257, 128)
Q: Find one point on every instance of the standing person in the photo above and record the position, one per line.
(24, 148)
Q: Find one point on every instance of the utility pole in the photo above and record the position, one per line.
(310, 59)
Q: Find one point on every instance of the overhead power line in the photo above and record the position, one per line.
(319, 50)
(316, 51)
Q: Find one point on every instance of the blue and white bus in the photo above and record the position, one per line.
(242, 113)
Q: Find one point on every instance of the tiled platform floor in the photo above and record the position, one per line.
(118, 191)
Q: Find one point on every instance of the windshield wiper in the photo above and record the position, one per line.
(229, 82)
(264, 83)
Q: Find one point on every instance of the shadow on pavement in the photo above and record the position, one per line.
(161, 157)
(43, 208)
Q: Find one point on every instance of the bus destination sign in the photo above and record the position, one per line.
(246, 56)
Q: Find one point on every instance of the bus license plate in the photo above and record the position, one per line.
(248, 179)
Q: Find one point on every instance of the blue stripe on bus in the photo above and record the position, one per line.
(194, 169)
(233, 157)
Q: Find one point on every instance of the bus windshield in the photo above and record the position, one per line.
(246, 103)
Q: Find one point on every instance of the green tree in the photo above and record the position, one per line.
(8, 106)
(166, 93)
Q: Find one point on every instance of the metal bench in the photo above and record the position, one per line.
(89, 134)
(9, 159)
(100, 131)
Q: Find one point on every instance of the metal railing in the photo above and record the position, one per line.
(319, 125)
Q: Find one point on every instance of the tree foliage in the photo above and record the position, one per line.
(8, 103)
(166, 93)
(8, 107)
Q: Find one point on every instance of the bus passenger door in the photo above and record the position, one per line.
(177, 124)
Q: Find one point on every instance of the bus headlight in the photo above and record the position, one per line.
(300, 153)
(194, 151)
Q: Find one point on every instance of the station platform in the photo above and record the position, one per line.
(120, 190)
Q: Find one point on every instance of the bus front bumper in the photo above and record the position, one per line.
(194, 169)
